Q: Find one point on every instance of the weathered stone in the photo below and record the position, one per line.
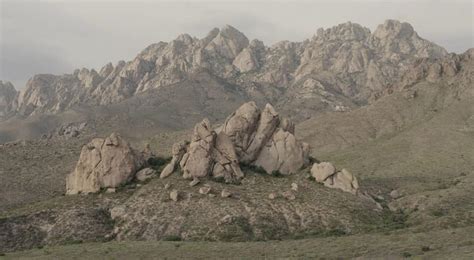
(103, 164)
(294, 186)
(321, 171)
(174, 195)
(205, 190)
(289, 195)
(272, 195)
(199, 160)
(225, 193)
(326, 173)
(395, 194)
(343, 180)
(194, 182)
(145, 174)
(247, 136)
(178, 150)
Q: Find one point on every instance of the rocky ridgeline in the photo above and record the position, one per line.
(339, 68)
(249, 136)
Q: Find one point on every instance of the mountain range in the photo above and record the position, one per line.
(338, 69)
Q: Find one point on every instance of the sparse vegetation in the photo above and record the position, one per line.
(157, 163)
(172, 238)
(253, 168)
(277, 173)
(438, 212)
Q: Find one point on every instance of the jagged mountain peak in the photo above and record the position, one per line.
(6, 85)
(7, 96)
(345, 31)
(394, 29)
(341, 66)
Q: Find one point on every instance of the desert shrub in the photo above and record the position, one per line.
(253, 168)
(277, 173)
(158, 162)
(171, 238)
(394, 220)
(438, 212)
(337, 232)
(313, 160)
(425, 248)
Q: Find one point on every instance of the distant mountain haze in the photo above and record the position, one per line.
(57, 36)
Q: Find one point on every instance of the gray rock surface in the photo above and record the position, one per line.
(145, 174)
(7, 96)
(326, 173)
(337, 69)
(103, 163)
(247, 136)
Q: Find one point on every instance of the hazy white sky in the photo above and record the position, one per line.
(58, 36)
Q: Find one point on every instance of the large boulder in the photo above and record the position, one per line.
(263, 138)
(321, 171)
(248, 136)
(326, 173)
(104, 163)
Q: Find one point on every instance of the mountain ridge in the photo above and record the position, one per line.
(341, 67)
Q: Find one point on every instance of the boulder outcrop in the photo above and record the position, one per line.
(249, 136)
(326, 173)
(104, 163)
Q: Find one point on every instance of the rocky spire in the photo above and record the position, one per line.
(7, 97)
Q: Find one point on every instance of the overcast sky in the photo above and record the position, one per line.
(58, 36)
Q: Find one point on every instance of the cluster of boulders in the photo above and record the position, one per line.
(327, 174)
(71, 130)
(104, 163)
(249, 136)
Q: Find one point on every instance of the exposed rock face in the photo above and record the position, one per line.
(340, 67)
(321, 171)
(247, 136)
(145, 174)
(178, 150)
(210, 154)
(326, 173)
(103, 163)
(7, 96)
(262, 139)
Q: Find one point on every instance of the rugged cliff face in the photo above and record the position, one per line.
(339, 68)
(7, 96)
